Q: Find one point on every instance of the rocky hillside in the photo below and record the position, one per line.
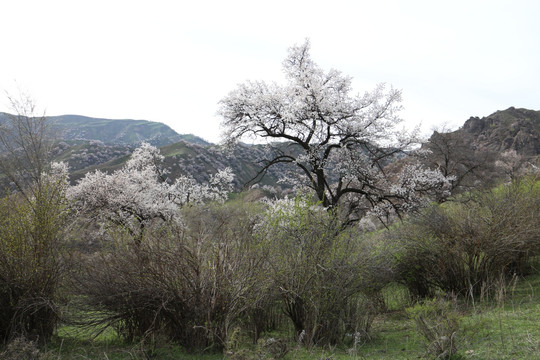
(85, 154)
(88, 144)
(185, 158)
(488, 150)
(114, 132)
(517, 129)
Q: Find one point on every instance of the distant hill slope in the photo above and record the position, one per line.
(85, 154)
(86, 143)
(487, 150)
(517, 129)
(90, 144)
(184, 158)
(115, 132)
(120, 132)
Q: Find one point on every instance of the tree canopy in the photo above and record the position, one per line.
(339, 142)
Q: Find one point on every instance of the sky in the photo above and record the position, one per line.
(172, 61)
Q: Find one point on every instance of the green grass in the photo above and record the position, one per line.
(178, 148)
(70, 349)
(502, 328)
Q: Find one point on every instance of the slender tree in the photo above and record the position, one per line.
(25, 146)
(32, 225)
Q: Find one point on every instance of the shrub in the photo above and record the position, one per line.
(324, 276)
(188, 283)
(464, 248)
(31, 265)
(22, 349)
(437, 320)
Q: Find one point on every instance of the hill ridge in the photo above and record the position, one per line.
(119, 131)
(511, 129)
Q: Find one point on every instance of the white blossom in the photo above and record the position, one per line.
(340, 144)
(58, 173)
(137, 194)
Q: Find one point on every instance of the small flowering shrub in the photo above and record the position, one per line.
(140, 194)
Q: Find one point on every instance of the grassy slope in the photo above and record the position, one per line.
(506, 328)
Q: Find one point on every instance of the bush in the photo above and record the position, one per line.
(464, 248)
(22, 349)
(437, 320)
(325, 277)
(31, 265)
(189, 283)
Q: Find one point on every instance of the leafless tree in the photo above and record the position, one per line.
(25, 145)
(454, 154)
(32, 220)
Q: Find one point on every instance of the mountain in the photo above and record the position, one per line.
(487, 150)
(510, 129)
(86, 143)
(89, 143)
(120, 132)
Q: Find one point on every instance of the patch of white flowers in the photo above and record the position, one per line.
(138, 191)
(58, 174)
(186, 189)
(286, 211)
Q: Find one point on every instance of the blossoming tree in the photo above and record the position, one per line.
(137, 194)
(339, 142)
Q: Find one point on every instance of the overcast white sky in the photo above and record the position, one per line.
(172, 61)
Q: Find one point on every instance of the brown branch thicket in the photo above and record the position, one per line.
(31, 265)
(32, 227)
(189, 283)
(465, 248)
(327, 278)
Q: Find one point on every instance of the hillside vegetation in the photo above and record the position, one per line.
(440, 285)
(332, 244)
(483, 139)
